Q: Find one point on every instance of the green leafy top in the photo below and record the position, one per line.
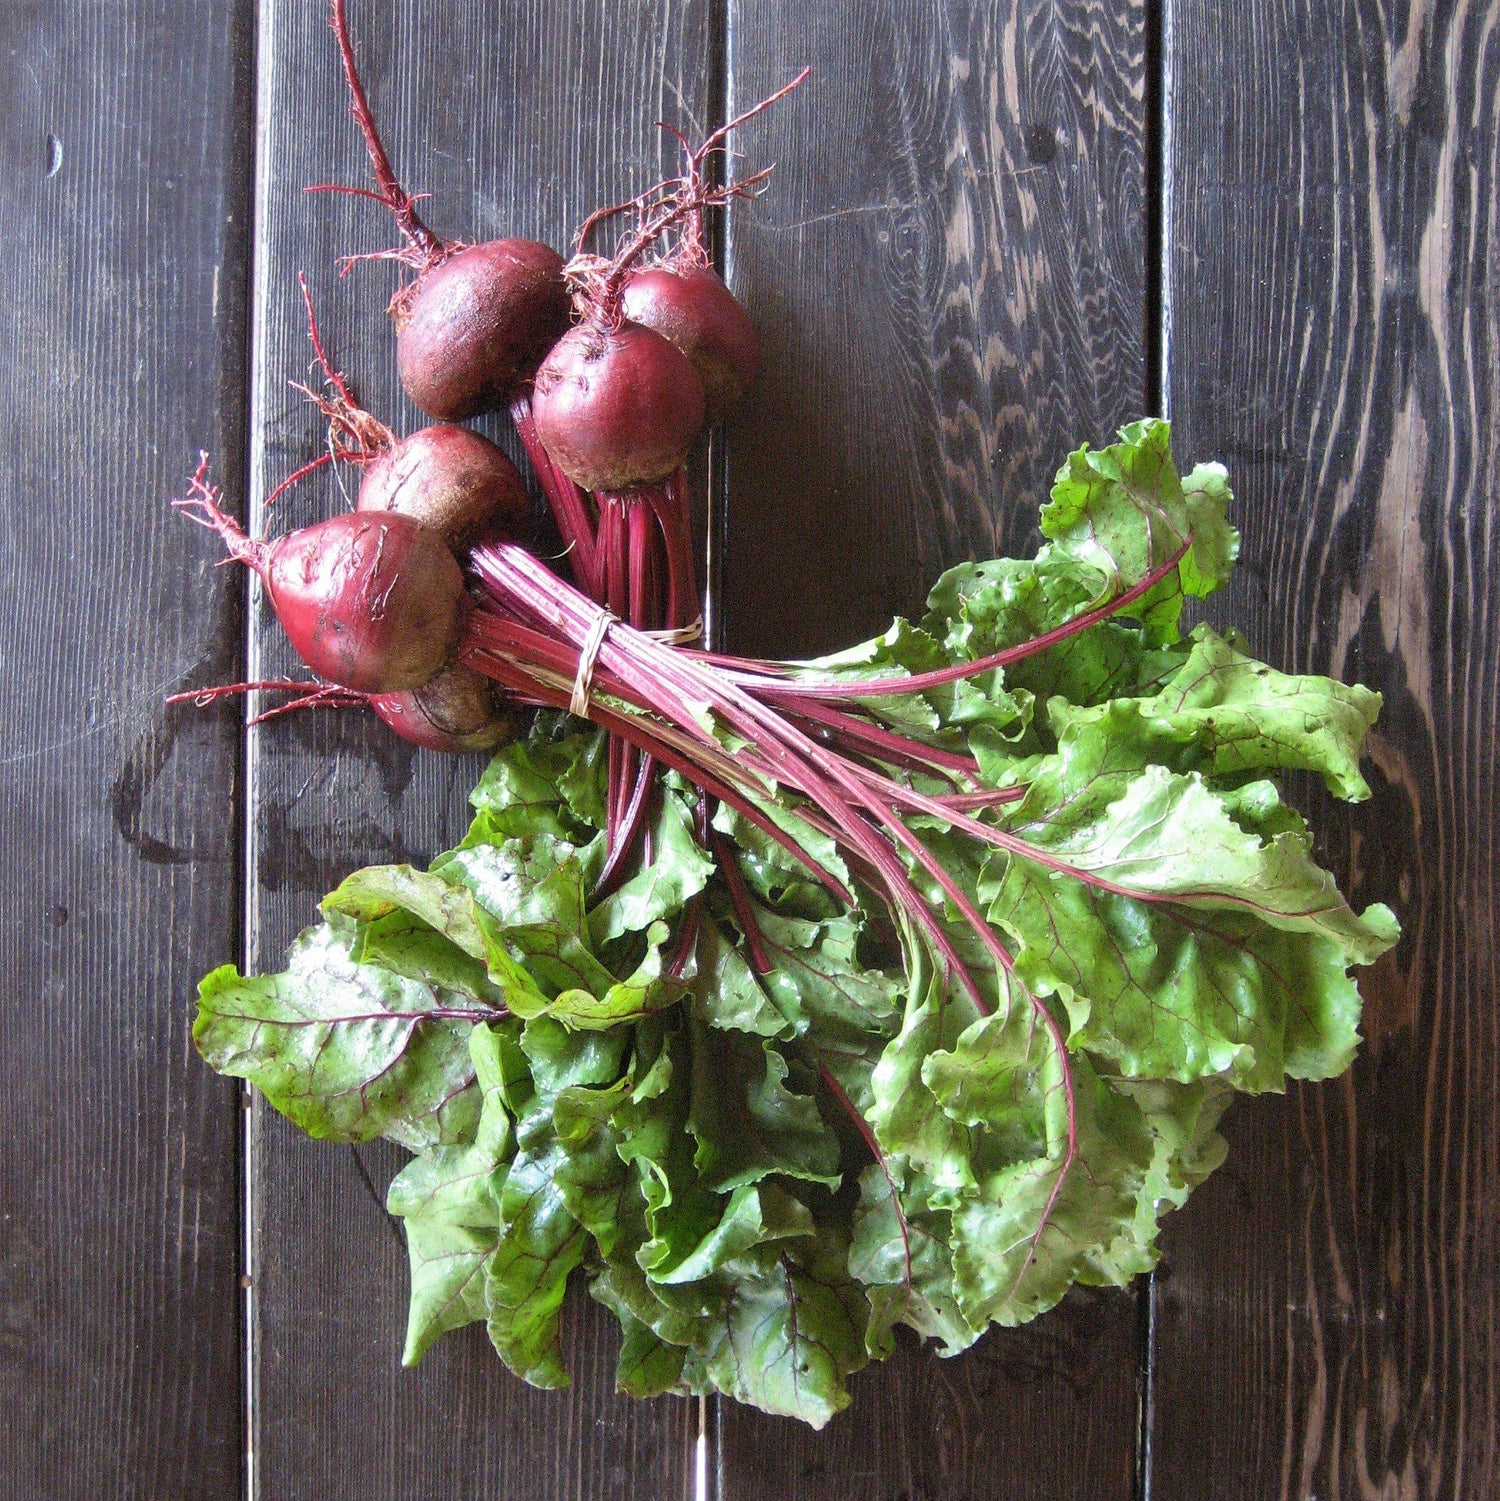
(764, 1150)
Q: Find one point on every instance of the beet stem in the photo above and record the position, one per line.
(629, 822)
(877, 741)
(687, 938)
(655, 738)
(862, 804)
(739, 895)
(671, 504)
(567, 502)
(920, 681)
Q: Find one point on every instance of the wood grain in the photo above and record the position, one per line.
(516, 123)
(1329, 1326)
(124, 218)
(948, 272)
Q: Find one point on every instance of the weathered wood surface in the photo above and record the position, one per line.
(1328, 1327)
(952, 273)
(124, 198)
(518, 124)
(949, 273)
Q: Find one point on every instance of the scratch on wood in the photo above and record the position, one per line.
(840, 213)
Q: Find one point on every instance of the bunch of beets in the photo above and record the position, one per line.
(792, 1001)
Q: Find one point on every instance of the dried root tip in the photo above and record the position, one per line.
(354, 435)
(201, 504)
(594, 280)
(310, 695)
(423, 247)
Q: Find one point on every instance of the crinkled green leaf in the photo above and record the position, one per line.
(541, 1242)
(906, 649)
(793, 1330)
(379, 890)
(542, 786)
(776, 875)
(527, 1273)
(647, 1365)
(646, 989)
(405, 945)
(681, 1211)
(749, 1120)
(901, 1254)
(982, 608)
(347, 1051)
(1038, 1225)
(679, 869)
(841, 1008)
(1171, 838)
(727, 991)
(907, 1117)
(754, 1214)
(449, 1200)
(537, 891)
(1188, 944)
(1123, 510)
(1223, 713)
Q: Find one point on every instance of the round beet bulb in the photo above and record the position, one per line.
(371, 602)
(472, 327)
(693, 309)
(457, 711)
(452, 480)
(617, 408)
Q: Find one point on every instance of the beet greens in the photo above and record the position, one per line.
(948, 954)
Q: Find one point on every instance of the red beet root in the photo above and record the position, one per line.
(617, 408)
(452, 480)
(372, 603)
(692, 308)
(457, 711)
(474, 325)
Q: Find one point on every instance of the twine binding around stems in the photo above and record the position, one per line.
(588, 653)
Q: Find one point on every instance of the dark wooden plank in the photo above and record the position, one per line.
(517, 119)
(949, 275)
(124, 198)
(1328, 1327)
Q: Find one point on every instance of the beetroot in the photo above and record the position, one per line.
(473, 326)
(450, 479)
(617, 408)
(457, 711)
(374, 603)
(692, 308)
